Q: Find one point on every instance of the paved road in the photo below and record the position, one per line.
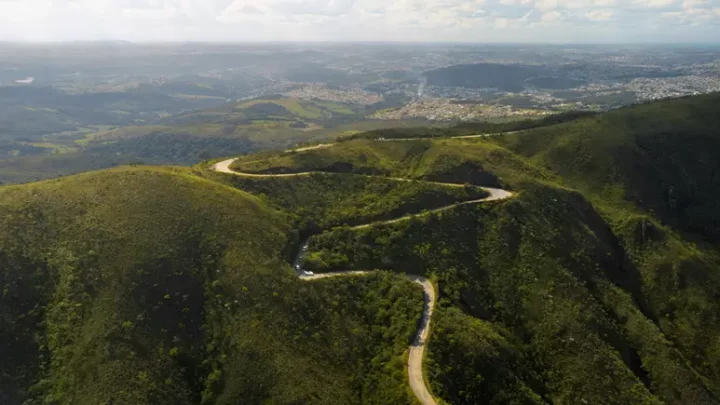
(495, 195)
(417, 350)
(333, 274)
(307, 148)
(439, 138)
(224, 167)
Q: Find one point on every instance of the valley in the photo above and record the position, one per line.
(436, 242)
(359, 202)
(571, 259)
(90, 106)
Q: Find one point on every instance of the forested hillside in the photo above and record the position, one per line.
(598, 283)
(154, 286)
(595, 282)
(658, 156)
(39, 141)
(323, 201)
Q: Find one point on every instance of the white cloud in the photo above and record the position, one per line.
(551, 16)
(600, 15)
(502, 23)
(655, 3)
(516, 2)
(546, 4)
(151, 14)
(295, 7)
(690, 4)
(24, 11)
(457, 20)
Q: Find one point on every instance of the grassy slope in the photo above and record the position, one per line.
(477, 162)
(471, 128)
(182, 143)
(149, 286)
(652, 172)
(561, 302)
(322, 201)
(545, 267)
(657, 156)
(624, 293)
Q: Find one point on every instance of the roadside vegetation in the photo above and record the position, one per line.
(477, 162)
(604, 265)
(659, 157)
(28, 153)
(545, 268)
(471, 128)
(154, 286)
(326, 200)
(596, 283)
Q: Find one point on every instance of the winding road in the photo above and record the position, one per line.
(417, 350)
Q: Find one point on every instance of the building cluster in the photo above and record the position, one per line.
(441, 109)
(659, 88)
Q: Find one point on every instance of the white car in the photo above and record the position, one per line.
(309, 273)
(297, 267)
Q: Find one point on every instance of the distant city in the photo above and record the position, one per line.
(553, 78)
(79, 106)
(431, 82)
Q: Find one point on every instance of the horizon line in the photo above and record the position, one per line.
(331, 42)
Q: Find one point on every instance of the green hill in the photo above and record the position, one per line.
(182, 139)
(659, 156)
(152, 286)
(548, 275)
(448, 160)
(598, 283)
(326, 200)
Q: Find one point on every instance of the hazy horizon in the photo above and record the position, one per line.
(457, 21)
(358, 42)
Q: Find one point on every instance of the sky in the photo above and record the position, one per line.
(482, 21)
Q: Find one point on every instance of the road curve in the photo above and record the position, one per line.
(224, 167)
(307, 148)
(496, 194)
(417, 350)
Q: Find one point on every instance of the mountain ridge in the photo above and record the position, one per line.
(593, 284)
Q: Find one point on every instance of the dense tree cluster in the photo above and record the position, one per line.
(596, 283)
(154, 286)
